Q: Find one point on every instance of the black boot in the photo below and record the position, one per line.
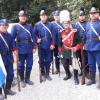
(48, 77)
(23, 84)
(81, 73)
(0, 90)
(76, 77)
(68, 74)
(57, 71)
(43, 78)
(57, 64)
(91, 78)
(1, 96)
(42, 74)
(87, 72)
(8, 90)
(27, 78)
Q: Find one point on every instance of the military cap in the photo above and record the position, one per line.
(94, 9)
(82, 12)
(56, 13)
(4, 22)
(22, 13)
(43, 12)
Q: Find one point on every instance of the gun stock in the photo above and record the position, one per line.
(17, 64)
(40, 75)
(52, 66)
(83, 66)
(5, 95)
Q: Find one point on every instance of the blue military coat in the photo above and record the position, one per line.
(92, 41)
(81, 30)
(47, 38)
(58, 27)
(25, 41)
(6, 52)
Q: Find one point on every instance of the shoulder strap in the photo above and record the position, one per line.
(67, 36)
(59, 26)
(4, 41)
(81, 26)
(25, 30)
(95, 31)
(3, 66)
(47, 28)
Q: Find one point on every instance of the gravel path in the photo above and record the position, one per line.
(57, 89)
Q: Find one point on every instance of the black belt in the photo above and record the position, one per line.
(4, 53)
(24, 40)
(94, 38)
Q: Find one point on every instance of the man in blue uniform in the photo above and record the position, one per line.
(44, 31)
(81, 30)
(58, 27)
(25, 40)
(7, 45)
(93, 44)
(81, 25)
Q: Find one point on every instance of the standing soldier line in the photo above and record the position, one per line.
(44, 35)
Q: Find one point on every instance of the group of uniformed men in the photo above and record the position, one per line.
(51, 38)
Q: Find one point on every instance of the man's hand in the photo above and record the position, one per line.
(16, 58)
(52, 47)
(38, 40)
(34, 50)
(74, 49)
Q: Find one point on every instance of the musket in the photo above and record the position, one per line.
(18, 80)
(5, 95)
(83, 66)
(52, 64)
(17, 65)
(60, 57)
(40, 76)
(59, 70)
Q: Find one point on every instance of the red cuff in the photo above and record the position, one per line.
(34, 47)
(14, 49)
(53, 43)
(59, 49)
(78, 47)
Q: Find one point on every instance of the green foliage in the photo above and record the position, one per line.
(10, 8)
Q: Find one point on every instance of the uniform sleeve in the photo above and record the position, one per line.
(14, 32)
(77, 41)
(87, 30)
(13, 44)
(60, 40)
(13, 38)
(34, 44)
(53, 31)
(35, 31)
(77, 38)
